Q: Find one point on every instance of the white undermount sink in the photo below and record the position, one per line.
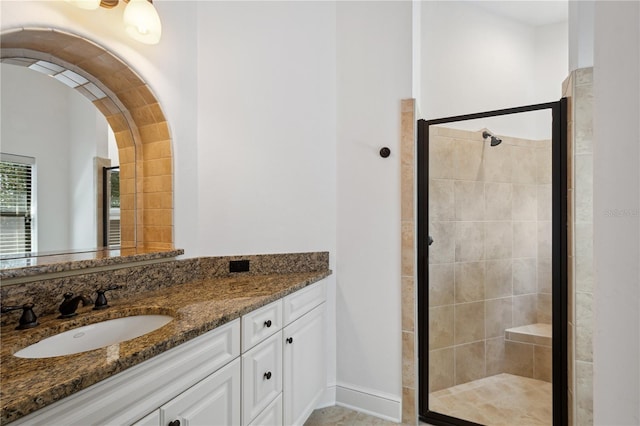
(94, 336)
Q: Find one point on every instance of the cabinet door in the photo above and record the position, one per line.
(271, 416)
(261, 376)
(213, 401)
(304, 366)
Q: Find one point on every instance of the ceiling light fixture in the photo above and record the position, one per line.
(141, 19)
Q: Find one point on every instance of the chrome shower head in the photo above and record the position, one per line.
(494, 140)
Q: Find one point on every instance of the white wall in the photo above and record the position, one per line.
(581, 35)
(87, 139)
(616, 191)
(374, 74)
(473, 60)
(44, 119)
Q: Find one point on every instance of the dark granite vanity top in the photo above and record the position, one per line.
(197, 306)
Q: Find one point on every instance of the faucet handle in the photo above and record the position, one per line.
(28, 318)
(101, 300)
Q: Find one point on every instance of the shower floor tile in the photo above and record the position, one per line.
(504, 399)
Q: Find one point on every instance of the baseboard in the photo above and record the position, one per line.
(369, 402)
(328, 398)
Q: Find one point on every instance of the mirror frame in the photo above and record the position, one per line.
(136, 118)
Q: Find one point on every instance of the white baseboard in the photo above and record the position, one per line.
(369, 402)
(328, 398)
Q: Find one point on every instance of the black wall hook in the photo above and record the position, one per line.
(385, 152)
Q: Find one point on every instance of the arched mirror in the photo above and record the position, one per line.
(140, 132)
(59, 165)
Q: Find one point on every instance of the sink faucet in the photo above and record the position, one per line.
(70, 304)
(101, 300)
(28, 318)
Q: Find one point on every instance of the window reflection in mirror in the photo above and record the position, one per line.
(70, 143)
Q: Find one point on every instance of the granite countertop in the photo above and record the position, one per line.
(197, 307)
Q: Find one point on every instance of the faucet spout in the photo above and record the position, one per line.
(70, 304)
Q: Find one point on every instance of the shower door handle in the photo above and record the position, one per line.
(429, 240)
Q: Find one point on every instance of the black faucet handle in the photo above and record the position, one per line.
(28, 318)
(101, 300)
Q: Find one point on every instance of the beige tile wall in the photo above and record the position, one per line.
(490, 264)
(137, 120)
(578, 87)
(408, 266)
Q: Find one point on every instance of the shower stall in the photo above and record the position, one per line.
(492, 268)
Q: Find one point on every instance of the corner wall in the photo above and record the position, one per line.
(373, 48)
(616, 213)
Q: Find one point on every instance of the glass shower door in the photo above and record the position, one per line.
(486, 295)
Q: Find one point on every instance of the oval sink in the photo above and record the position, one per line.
(94, 336)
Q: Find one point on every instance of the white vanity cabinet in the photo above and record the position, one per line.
(267, 368)
(304, 373)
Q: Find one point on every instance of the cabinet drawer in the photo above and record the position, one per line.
(303, 301)
(261, 376)
(260, 324)
(213, 401)
(271, 416)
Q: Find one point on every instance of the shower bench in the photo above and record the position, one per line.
(527, 351)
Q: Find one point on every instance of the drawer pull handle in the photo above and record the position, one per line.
(174, 423)
(289, 339)
(267, 323)
(267, 375)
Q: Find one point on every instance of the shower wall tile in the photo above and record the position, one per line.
(543, 164)
(498, 278)
(441, 367)
(441, 158)
(525, 239)
(469, 282)
(583, 76)
(524, 276)
(584, 188)
(584, 393)
(584, 240)
(497, 201)
(584, 273)
(518, 358)
(584, 343)
(470, 362)
(584, 310)
(525, 204)
(440, 327)
(469, 322)
(544, 240)
(583, 119)
(495, 356)
(469, 241)
(544, 308)
(408, 303)
(468, 159)
(498, 316)
(498, 166)
(444, 236)
(408, 248)
(408, 363)
(544, 276)
(469, 200)
(441, 204)
(498, 237)
(542, 363)
(544, 202)
(441, 284)
(524, 165)
(524, 310)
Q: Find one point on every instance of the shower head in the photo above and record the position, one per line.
(494, 140)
